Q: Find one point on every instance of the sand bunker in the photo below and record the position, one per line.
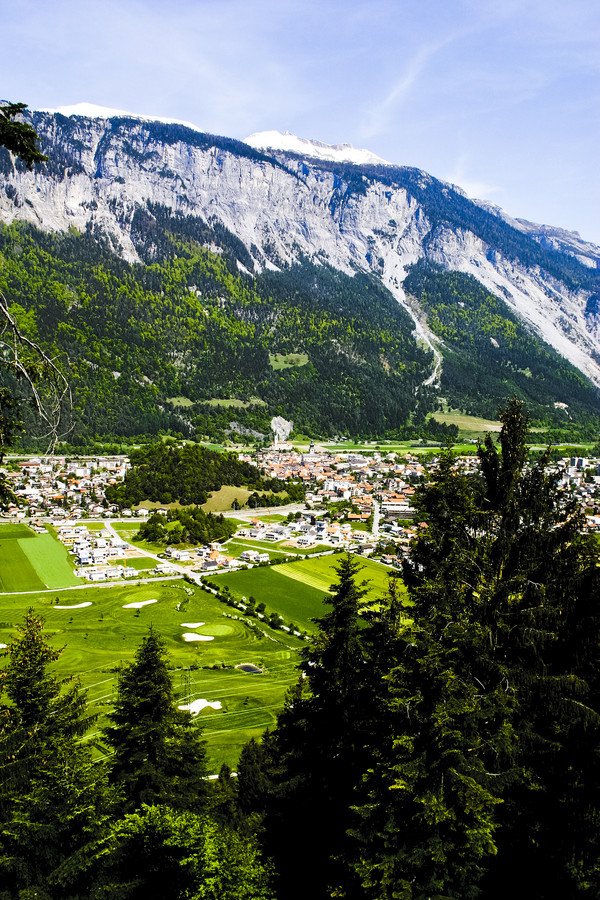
(139, 604)
(190, 636)
(77, 606)
(198, 705)
(192, 624)
(3, 646)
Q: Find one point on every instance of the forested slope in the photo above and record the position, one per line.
(132, 338)
(489, 353)
(195, 346)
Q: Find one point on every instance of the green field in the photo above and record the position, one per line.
(140, 562)
(295, 601)
(319, 573)
(32, 562)
(180, 401)
(464, 423)
(288, 361)
(296, 590)
(99, 637)
(221, 500)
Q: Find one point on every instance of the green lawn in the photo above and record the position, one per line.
(140, 562)
(295, 601)
(50, 560)
(99, 637)
(32, 562)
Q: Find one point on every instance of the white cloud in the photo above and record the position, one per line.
(379, 116)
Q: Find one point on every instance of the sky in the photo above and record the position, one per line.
(501, 98)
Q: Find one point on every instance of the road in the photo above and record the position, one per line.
(181, 570)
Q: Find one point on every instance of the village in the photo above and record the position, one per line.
(357, 501)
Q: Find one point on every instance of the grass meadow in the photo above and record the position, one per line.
(296, 589)
(99, 637)
(32, 562)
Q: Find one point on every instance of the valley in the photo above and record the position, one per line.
(324, 474)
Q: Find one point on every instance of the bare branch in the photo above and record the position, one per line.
(49, 390)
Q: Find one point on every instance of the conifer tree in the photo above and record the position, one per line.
(19, 137)
(494, 693)
(315, 755)
(53, 798)
(158, 756)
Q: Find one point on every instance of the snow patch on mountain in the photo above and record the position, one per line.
(290, 143)
(93, 111)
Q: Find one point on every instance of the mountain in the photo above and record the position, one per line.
(306, 227)
(275, 140)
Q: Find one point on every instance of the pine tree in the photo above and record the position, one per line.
(158, 754)
(315, 755)
(53, 798)
(494, 693)
(19, 137)
(253, 783)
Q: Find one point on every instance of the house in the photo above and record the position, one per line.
(180, 555)
(250, 555)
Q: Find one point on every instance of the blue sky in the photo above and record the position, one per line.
(502, 97)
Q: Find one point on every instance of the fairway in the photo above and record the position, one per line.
(99, 637)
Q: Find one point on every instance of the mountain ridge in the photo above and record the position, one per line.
(112, 177)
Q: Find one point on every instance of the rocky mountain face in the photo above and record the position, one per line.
(119, 177)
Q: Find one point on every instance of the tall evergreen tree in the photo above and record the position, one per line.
(53, 799)
(316, 751)
(494, 693)
(159, 756)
